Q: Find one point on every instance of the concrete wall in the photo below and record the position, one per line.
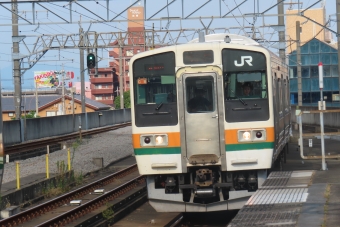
(18, 131)
(14, 131)
(331, 120)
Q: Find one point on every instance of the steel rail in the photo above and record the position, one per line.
(82, 210)
(36, 211)
(34, 144)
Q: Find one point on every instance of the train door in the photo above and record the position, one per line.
(201, 118)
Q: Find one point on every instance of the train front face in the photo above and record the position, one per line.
(202, 144)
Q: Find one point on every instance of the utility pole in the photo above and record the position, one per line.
(153, 37)
(282, 43)
(36, 100)
(121, 93)
(16, 60)
(96, 52)
(82, 76)
(298, 64)
(63, 88)
(338, 35)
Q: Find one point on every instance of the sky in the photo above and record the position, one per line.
(68, 59)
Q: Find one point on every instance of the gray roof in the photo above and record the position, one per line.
(28, 102)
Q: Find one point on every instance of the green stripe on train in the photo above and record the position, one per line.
(228, 147)
(158, 150)
(249, 146)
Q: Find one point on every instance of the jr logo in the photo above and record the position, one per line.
(247, 59)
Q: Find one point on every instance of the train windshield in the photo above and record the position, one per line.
(245, 85)
(244, 74)
(154, 79)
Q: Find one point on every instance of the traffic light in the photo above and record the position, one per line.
(91, 61)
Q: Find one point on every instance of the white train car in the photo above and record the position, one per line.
(200, 141)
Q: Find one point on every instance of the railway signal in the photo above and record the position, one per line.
(91, 61)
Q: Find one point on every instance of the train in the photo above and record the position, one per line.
(215, 155)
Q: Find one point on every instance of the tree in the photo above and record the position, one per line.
(29, 115)
(127, 103)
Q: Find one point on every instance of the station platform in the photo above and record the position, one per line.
(301, 195)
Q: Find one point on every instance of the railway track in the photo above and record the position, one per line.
(76, 206)
(35, 144)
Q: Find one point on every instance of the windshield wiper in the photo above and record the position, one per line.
(159, 106)
(242, 101)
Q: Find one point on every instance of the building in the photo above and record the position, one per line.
(77, 86)
(105, 84)
(315, 46)
(48, 105)
(308, 29)
(312, 53)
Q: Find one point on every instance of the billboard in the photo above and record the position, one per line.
(46, 79)
(50, 79)
(136, 16)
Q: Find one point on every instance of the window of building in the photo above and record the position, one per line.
(306, 97)
(50, 113)
(292, 72)
(314, 46)
(324, 48)
(327, 96)
(327, 84)
(105, 74)
(292, 60)
(305, 71)
(325, 59)
(314, 59)
(305, 49)
(334, 59)
(305, 59)
(315, 84)
(11, 114)
(99, 98)
(293, 85)
(293, 98)
(315, 97)
(314, 71)
(335, 84)
(334, 71)
(326, 71)
(305, 85)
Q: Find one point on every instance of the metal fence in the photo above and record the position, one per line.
(18, 131)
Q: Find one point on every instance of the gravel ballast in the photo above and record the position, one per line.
(110, 146)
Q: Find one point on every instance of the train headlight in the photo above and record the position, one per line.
(154, 140)
(246, 135)
(251, 135)
(159, 140)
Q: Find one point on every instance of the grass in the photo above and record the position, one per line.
(325, 208)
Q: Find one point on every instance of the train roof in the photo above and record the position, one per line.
(234, 39)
